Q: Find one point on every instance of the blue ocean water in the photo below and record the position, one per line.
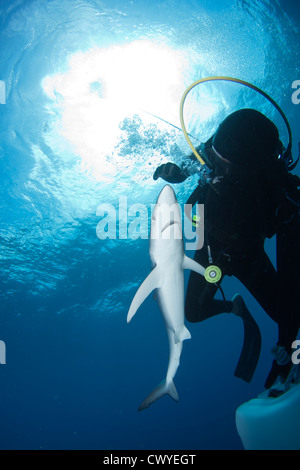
(80, 79)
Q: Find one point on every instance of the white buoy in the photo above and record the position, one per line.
(266, 423)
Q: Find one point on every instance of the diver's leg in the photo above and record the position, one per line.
(260, 278)
(200, 305)
(263, 282)
(273, 292)
(288, 267)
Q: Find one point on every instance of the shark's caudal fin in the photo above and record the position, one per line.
(189, 263)
(150, 283)
(182, 334)
(163, 389)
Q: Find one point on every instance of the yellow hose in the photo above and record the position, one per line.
(227, 79)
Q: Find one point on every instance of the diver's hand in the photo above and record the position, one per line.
(170, 173)
(281, 366)
(277, 372)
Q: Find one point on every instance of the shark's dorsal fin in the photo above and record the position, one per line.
(189, 263)
(150, 283)
(182, 334)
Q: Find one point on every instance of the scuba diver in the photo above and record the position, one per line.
(249, 195)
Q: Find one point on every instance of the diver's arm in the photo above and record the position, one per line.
(172, 173)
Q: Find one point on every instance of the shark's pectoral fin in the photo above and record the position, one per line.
(189, 263)
(150, 283)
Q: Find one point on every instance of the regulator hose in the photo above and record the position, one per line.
(287, 155)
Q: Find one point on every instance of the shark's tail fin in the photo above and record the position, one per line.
(163, 389)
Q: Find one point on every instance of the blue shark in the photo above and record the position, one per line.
(167, 277)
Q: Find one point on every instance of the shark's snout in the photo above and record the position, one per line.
(166, 214)
(167, 196)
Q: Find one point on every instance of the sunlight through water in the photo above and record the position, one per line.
(91, 109)
(104, 86)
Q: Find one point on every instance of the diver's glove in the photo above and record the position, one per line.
(281, 366)
(170, 173)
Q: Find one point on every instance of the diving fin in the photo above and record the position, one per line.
(252, 341)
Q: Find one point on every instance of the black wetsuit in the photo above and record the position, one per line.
(250, 196)
(240, 212)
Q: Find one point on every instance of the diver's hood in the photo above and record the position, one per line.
(246, 138)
